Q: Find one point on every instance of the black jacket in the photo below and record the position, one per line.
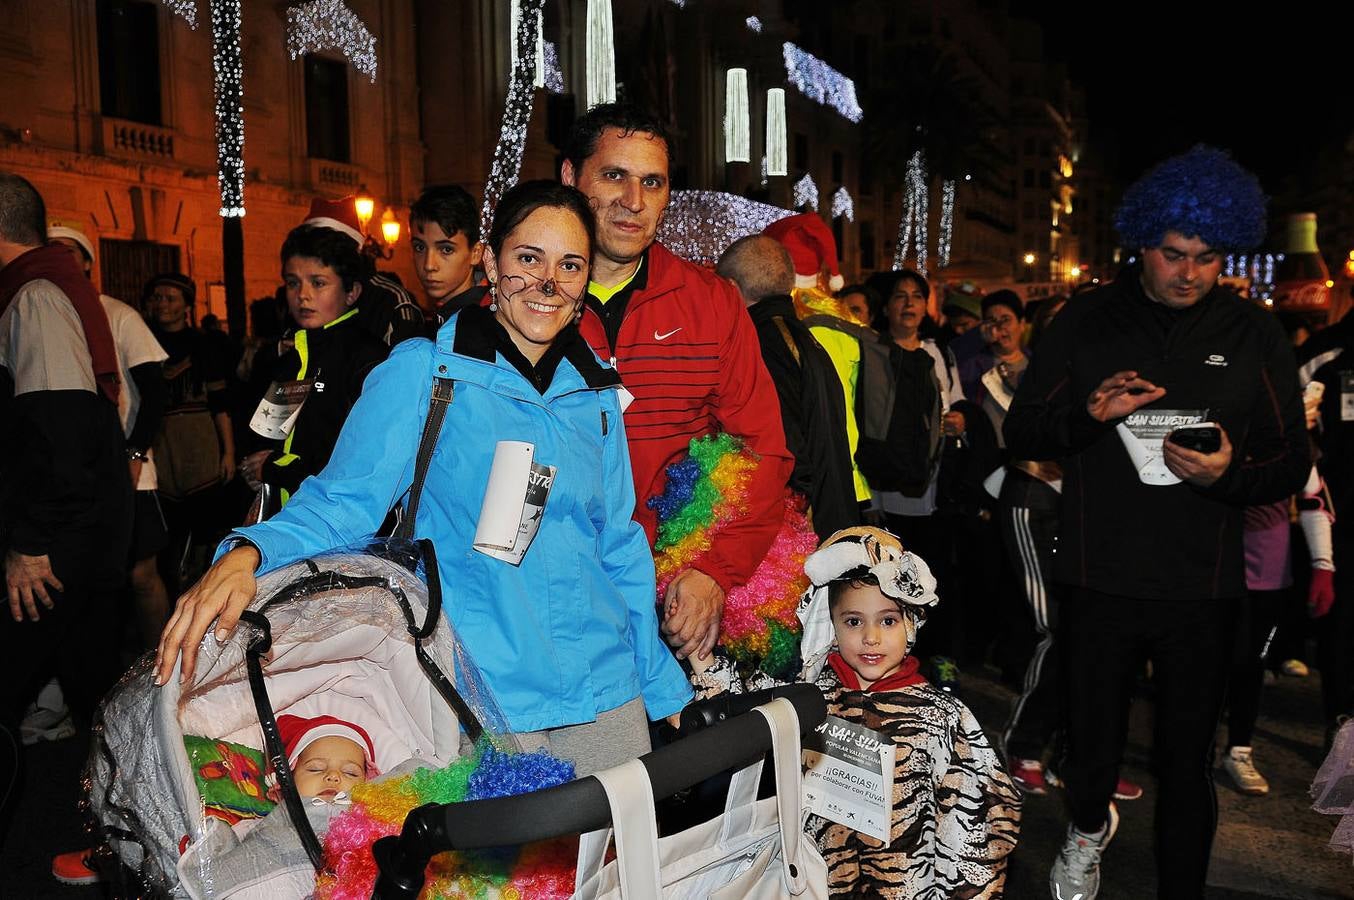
(1223, 355)
(1328, 357)
(339, 357)
(813, 411)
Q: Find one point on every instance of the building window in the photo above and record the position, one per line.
(1044, 179)
(836, 167)
(839, 234)
(327, 109)
(129, 60)
(801, 151)
(867, 258)
(1029, 178)
(126, 266)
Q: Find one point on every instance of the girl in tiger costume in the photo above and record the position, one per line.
(956, 813)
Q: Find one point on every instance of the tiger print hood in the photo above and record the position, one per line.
(901, 574)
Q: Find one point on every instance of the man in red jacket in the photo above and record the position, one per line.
(685, 348)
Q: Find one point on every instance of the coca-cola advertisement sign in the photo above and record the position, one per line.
(1302, 296)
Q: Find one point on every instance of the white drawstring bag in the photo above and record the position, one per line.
(756, 850)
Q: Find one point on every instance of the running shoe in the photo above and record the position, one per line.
(47, 718)
(75, 867)
(1295, 668)
(1028, 775)
(1239, 764)
(945, 673)
(1076, 871)
(1123, 788)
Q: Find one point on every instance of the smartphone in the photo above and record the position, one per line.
(1200, 438)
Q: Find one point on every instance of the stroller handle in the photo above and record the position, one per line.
(581, 805)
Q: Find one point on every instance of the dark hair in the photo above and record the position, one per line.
(174, 280)
(332, 248)
(1007, 298)
(449, 207)
(628, 118)
(1047, 310)
(872, 299)
(525, 198)
(23, 216)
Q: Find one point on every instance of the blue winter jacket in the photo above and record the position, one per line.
(572, 631)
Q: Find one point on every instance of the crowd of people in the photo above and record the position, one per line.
(1136, 481)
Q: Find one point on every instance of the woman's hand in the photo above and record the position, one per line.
(220, 595)
(251, 468)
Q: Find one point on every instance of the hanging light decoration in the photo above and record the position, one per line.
(514, 16)
(913, 226)
(184, 9)
(512, 136)
(842, 205)
(601, 54)
(554, 75)
(331, 25)
(753, 23)
(777, 150)
(737, 140)
(946, 222)
(820, 82)
(228, 83)
(699, 225)
(805, 193)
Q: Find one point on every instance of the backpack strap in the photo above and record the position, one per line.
(443, 389)
(789, 339)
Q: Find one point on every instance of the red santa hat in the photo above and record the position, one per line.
(812, 248)
(298, 733)
(339, 215)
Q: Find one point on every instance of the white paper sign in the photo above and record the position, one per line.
(1143, 433)
(278, 410)
(514, 501)
(849, 777)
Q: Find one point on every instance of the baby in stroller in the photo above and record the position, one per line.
(328, 756)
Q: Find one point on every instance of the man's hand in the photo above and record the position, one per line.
(953, 424)
(227, 468)
(220, 595)
(1320, 593)
(1199, 469)
(251, 468)
(1121, 394)
(692, 611)
(27, 578)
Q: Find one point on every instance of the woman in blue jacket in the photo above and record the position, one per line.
(567, 638)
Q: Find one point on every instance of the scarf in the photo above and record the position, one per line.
(908, 674)
(55, 264)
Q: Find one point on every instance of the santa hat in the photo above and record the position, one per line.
(55, 232)
(811, 246)
(298, 734)
(339, 215)
(902, 575)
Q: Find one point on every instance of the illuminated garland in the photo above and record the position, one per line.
(915, 213)
(705, 493)
(777, 136)
(737, 139)
(946, 222)
(229, 90)
(699, 225)
(819, 81)
(805, 193)
(185, 9)
(544, 870)
(331, 25)
(842, 205)
(512, 137)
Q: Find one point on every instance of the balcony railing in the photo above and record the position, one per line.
(137, 140)
(334, 177)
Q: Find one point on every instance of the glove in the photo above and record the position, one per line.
(1320, 593)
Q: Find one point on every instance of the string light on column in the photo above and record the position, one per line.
(820, 82)
(753, 23)
(805, 193)
(554, 75)
(512, 136)
(777, 141)
(922, 192)
(601, 54)
(765, 179)
(184, 9)
(331, 25)
(228, 83)
(514, 16)
(913, 225)
(842, 205)
(946, 222)
(737, 140)
(699, 225)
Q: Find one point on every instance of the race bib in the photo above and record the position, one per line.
(1347, 396)
(281, 404)
(514, 502)
(1143, 433)
(849, 777)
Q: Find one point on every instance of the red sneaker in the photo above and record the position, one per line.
(75, 867)
(1028, 775)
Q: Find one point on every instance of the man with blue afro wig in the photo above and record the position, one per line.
(1173, 405)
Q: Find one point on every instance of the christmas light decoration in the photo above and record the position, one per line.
(754, 24)
(842, 205)
(699, 225)
(737, 140)
(912, 229)
(946, 222)
(820, 82)
(331, 25)
(601, 55)
(228, 84)
(512, 136)
(777, 139)
(554, 75)
(514, 16)
(184, 9)
(805, 193)
(766, 178)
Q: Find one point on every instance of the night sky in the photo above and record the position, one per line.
(1275, 89)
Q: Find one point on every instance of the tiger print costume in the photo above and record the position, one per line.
(956, 813)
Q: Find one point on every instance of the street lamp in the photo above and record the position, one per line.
(365, 205)
(1029, 266)
(390, 228)
(1076, 272)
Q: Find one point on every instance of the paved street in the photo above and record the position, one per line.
(1270, 847)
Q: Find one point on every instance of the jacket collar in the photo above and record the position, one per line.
(476, 335)
(767, 308)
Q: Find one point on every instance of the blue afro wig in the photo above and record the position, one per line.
(1203, 194)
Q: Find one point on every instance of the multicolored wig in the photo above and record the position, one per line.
(1202, 193)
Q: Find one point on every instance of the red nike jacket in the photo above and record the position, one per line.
(688, 352)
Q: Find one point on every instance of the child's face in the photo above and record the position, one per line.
(873, 635)
(329, 765)
(445, 265)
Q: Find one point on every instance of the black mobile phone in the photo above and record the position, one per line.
(1200, 438)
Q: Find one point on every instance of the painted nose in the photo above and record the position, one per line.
(548, 287)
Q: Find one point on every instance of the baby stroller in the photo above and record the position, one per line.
(176, 770)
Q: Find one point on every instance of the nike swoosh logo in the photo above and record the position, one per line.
(664, 337)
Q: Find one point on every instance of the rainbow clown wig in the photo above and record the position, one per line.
(1202, 193)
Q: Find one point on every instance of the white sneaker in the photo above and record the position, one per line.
(47, 718)
(1295, 668)
(1076, 871)
(1244, 775)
